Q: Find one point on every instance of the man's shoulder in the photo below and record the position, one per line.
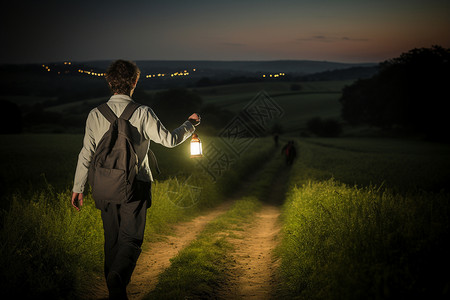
(94, 113)
(142, 106)
(144, 110)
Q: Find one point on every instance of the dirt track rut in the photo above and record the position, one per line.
(156, 258)
(252, 274)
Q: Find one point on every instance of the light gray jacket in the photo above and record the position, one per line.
(148, 126)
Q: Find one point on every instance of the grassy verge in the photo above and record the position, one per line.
(343, 242)
(345, 238)
(199, 269)
(49, 250)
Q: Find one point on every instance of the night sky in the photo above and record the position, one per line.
(342, 31)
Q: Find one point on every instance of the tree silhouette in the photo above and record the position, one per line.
(409, 92)
(11, 121)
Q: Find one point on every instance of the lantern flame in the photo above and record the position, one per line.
(196, 146)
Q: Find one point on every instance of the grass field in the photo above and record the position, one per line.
(335, 186)
(367, 219)
(402, 165)
(41, 234)
(32, 161)
(314, 99)
(344, 242)
(363, 217)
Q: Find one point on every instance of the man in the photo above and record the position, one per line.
(124, 224)
(289, 152)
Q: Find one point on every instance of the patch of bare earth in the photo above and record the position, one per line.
(252, 275)
(156, 258)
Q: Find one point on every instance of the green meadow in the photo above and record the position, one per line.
(314, 99)
(366, 218)
(300, 102)
(363, 218)
(52, 251)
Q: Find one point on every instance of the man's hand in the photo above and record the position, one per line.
(77, 200)
(195, 119)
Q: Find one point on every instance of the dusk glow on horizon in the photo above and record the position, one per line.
(342, 31)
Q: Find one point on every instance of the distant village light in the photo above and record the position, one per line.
(94, 73)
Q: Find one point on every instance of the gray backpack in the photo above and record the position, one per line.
(114, 164)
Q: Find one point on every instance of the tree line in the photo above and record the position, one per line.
(409, 93)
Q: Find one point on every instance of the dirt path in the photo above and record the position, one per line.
(253, 273)
(156, 258)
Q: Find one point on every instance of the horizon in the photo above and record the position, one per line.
(190, 60)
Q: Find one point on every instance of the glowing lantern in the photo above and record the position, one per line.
(196, 146)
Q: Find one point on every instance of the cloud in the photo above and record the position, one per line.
(354, 39)
(232, 44)
(330, 39)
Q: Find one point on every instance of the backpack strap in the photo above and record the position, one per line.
(154, 161)
(107, 112)
(129, 110)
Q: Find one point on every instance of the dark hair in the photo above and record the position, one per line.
(121, 76)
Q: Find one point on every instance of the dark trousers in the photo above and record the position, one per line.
(124, 226)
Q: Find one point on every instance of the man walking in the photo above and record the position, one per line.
(289, 152)
(124, 223)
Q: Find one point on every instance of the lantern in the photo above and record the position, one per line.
(196, 146)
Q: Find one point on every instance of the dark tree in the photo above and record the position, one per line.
(11, 121)
(409, 92)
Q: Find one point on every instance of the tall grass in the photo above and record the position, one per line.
(345, 242)
(366, 219)
(47, 249)
(175, 200)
